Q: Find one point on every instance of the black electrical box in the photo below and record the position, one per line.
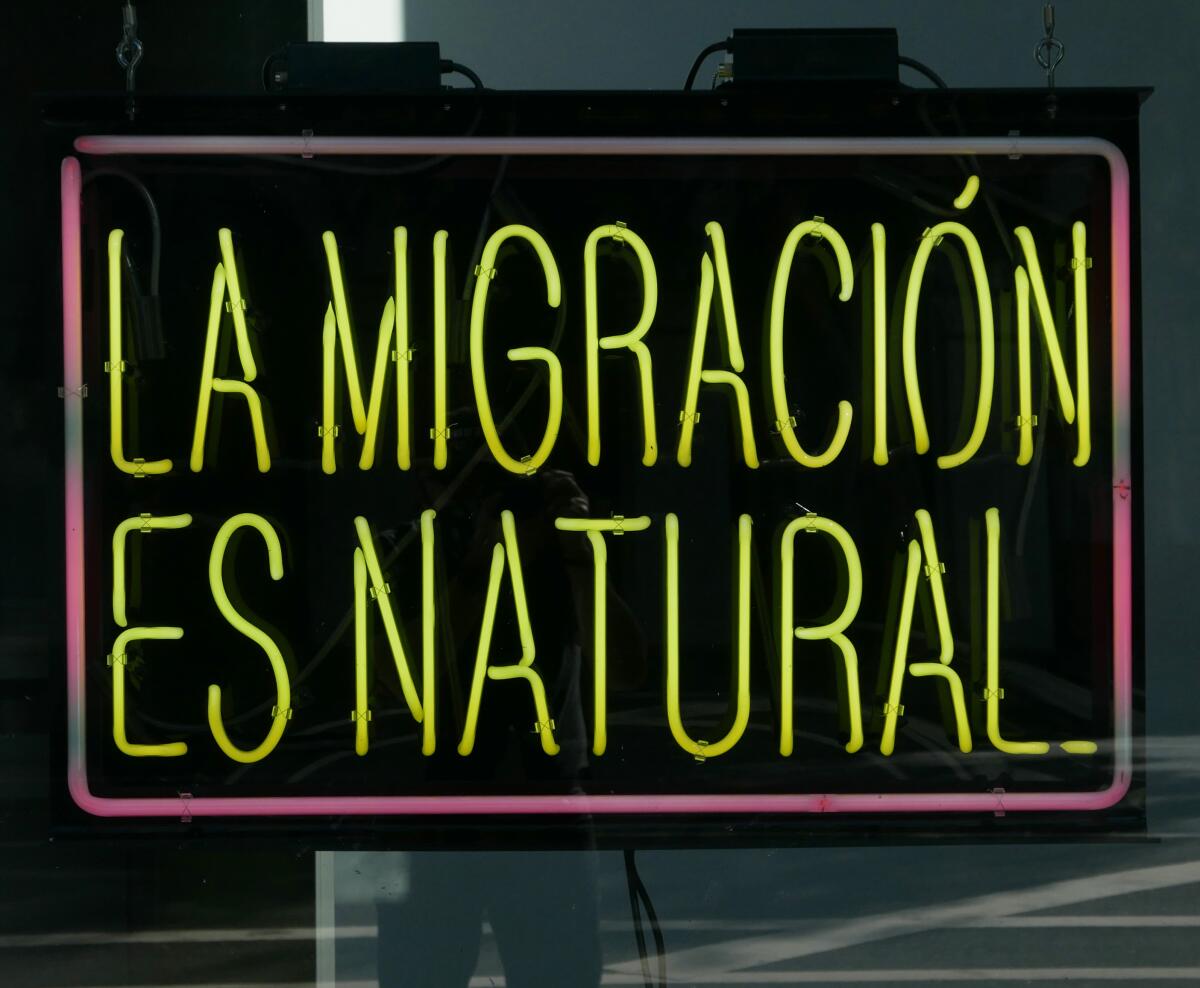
(814, 55)
(356, 67)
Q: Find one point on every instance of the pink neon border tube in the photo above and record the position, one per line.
(931, 802)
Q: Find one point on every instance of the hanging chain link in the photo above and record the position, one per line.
(129, 52)
(1049, 52)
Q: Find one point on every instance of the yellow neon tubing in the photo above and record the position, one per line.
(383, 600)
(403, 355)
(631, 341)
(281, 713)
(879, 302)
(831, 631)
(967, 196)
(703, 749)
(341, 310)
(328, 376)
(1024, 383)
(725, 289)
(993, 693)
(362, 712)
(1080, 263)
(957, 699)
(383, 347)
(118, 660)
(140, 523)
(428, 629)
(783, 417)
(523, 668)
(485, 273)
(237, 305)
(987, 343)
(1062, 383)
(887, 743)
(937, 590)
(697, 374)
(441, 431)
(116, 370)
(939, 669)
(209, 384)
(594, 527)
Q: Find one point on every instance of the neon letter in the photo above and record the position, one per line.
(484, 274)
(142, 523)
(337, 320)
(523, 668)
(696, 372)
(879, 271)
(225, 281)
(1024, 387)
(594, 527)
(281, 713)
(941, 668)
(115, 367)
(993, 694)
(831, 631)
(118, 660)
(785, 422)
(1066, 399)
(703, 749)
(380, 591)
(440, 431)
(631, 341)
(987, 357)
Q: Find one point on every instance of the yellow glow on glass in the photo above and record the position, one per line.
(784, 420)
(879, 302)
(337, 328)
(342, 312)
(328, 377)
(366, 567)
(484, 275)
(1024, 383)
(967, 196)
(139, 523)
(725, 290)
(1062, 383)
(937, 590)
(987, 343)
(362, 713)
(697, 374)
(1074, 406)
(993, 693)
(403, 357)
(523, 668)
(441, 431)
(116, 369)
(118, 660)
(209, 383)
(382, 594)
(593, 527)
(630, 341)
(1078, 747)
(428, 629)
(237, 305)
(282, 711)
(1079, 263)
(940, 669)
(704, 749)
(831, 631)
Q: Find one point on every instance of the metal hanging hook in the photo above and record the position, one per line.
(129, 53)
(1049, 52)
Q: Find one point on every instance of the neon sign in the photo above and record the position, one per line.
(858, 491)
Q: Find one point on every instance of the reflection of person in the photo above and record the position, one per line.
(543, 915)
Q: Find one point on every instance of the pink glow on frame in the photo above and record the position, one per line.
(983, 802)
